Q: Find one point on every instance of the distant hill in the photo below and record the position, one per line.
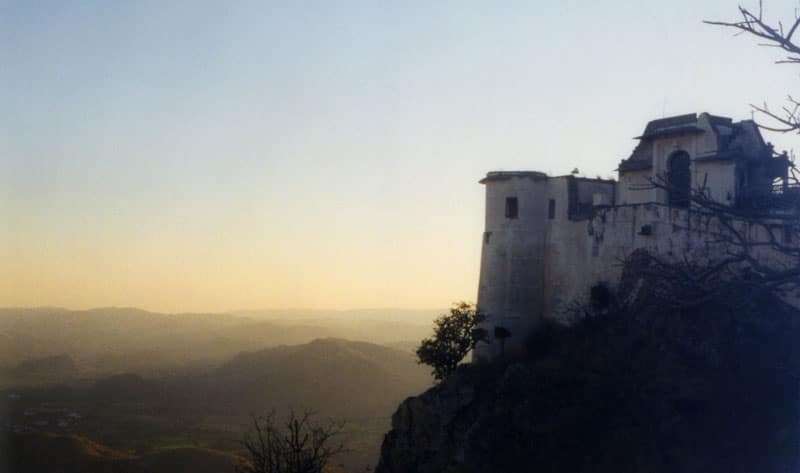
(332, 376)
(40, 452)
(412, 316)
(37, 452)
(104, 340)
(210, 406)
(195, 460)
(56, 366)
(125, 387)
(406, 346)
(115, 340)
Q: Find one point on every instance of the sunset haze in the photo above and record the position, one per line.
(200, 156)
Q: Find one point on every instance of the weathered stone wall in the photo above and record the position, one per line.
(635, 188)
(537, 267)
(583, 254)
(572, 233)
(512, 258)
(718, 178)
(518, 264)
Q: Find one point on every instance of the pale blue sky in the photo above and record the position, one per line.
(216, 155)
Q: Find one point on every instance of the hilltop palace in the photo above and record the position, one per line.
(549, 240)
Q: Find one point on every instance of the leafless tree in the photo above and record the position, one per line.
(297, 445)
(774, 35)
(734, 256)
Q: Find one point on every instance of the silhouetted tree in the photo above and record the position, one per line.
(773, 35)
(455, 334)
(297, 445)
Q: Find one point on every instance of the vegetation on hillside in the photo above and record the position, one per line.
(455, 335)
(657, 381)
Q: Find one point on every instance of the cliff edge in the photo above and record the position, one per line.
(645, 388)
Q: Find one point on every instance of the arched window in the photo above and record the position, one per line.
(679, 179)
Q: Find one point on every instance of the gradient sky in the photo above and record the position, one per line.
(188, 156)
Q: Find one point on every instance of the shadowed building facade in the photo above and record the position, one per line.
(551, 242)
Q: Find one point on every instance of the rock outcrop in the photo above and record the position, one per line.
(647, 388)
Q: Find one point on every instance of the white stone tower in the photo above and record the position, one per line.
(512, 257)
(551, 242)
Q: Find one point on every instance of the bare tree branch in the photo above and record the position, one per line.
(298, 445)
(778, 37)
(742, 237)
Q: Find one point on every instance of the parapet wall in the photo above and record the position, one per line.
(578, 255)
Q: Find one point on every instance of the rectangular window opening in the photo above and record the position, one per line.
(512, 208)
(551, 209)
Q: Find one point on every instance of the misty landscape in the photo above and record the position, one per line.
(399, 237)
(119, 389)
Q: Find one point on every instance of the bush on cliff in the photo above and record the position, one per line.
(455, 334)
(677, 378)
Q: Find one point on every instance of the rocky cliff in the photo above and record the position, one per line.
(645, 388)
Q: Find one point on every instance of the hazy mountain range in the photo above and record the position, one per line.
(112, 340)
(203, 411)
(126, 389)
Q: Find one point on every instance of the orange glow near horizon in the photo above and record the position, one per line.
(266, 155)
(169, 269)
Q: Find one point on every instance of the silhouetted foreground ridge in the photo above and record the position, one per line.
(645, 388)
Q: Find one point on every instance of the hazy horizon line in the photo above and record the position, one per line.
(225, 312)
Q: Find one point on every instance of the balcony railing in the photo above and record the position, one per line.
(776, 198)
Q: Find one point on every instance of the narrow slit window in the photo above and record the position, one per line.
(551, 209)
(512, 208)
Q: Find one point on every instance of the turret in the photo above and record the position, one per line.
(535, 224)
(512, 257)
